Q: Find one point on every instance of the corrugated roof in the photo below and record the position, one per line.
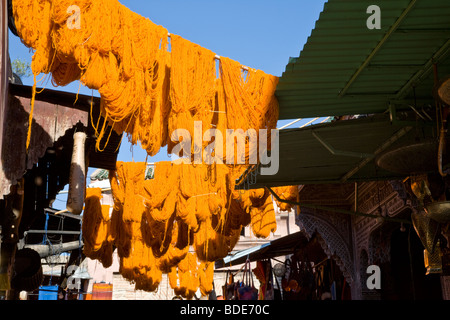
(339, 152)
(346, 68)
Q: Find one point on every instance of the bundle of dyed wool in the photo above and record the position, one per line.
(190, 275)
(149, 241)
(251, 91)
(184, 278)
(245, 104)
(136, 258)
(262, 213)
(110, 49)
(146, 91)
(184, 213)
(96, 224)
(206, 277)
(192, 86)
(258, 204)
(289, 193)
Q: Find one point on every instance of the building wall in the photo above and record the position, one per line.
(359, 241)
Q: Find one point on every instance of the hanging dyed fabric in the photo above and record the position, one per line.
(289, 193)
(96, 224)
(136, 258)
(113, 50)
(192, 87)
(185, 211)
(146, 91)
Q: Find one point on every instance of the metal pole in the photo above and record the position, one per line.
(46, 251)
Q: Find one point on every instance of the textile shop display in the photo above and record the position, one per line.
(246, 288)
(264, 273)
(229, 288)
(313, 281)
(243, 289)
(300, 283)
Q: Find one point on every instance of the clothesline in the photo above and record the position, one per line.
(217, 57)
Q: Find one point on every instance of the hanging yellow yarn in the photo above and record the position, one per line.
(177, 250)
(165, 180)
(263, 220)
(156, 222)
(211, 245)
(248, 93)
(132, 176)
(38, 14)
(120, 230)
(146, 91)
(114, 50)
(96, 226)
(289, 193)
(184, 279)
(206, 277)
(192, 86)
(245, 99)
(137, 262)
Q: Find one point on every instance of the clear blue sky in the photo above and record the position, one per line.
(261, 34)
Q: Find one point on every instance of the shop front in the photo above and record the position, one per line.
(294, 267)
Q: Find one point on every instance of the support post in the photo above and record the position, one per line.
(12, 215)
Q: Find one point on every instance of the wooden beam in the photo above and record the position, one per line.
(12, 215)
(3, 66)
(66, 99)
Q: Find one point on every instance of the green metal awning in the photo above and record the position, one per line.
(276, 248)
(345, 68)
(339, 152)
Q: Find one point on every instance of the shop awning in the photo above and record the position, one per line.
(345, 68)
(338, 152)
(279, 247)
(383, 77)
